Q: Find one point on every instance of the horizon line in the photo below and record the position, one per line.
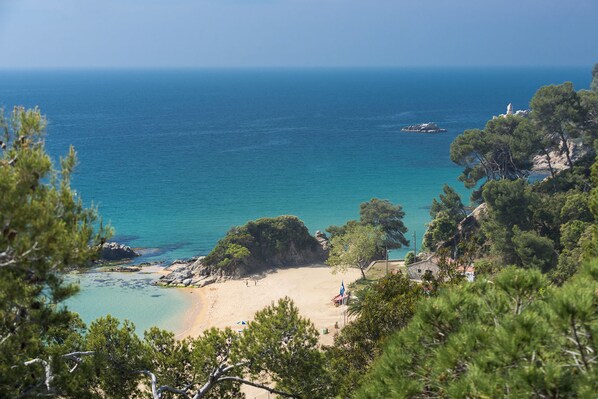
(289, 67)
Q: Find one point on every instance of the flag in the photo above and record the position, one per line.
(342, 288)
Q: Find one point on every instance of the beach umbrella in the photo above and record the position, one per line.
(342, 292)
(240, 326)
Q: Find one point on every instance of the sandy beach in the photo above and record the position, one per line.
(310, 287)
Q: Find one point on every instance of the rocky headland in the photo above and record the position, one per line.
(257, 247)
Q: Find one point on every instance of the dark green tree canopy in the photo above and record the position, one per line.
(449, 202)
(387, 217)
(283, 240)
(503, 150)
(514, 337)
(44, 230)
(557, 111)
(446, 212)
(380, 310)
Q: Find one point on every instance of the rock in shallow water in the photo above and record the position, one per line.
(113, 251)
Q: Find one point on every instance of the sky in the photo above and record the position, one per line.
(296, 33)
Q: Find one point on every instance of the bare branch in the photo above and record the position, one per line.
(76, 357)
(9, 258)
(47, 369)
(157, 391)
(262, 386)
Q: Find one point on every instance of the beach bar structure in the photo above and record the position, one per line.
(417, 270)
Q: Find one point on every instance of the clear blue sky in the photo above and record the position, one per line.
(296, 33)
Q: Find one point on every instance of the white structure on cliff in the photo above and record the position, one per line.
(519, 112)
(510, 109)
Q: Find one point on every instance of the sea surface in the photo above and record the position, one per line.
(175, 158)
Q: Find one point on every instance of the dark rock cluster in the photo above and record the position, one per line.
(113, 251)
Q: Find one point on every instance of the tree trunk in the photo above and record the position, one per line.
(566, 148)
(552, 174)
(362, 270)
(547, 156)
(362, 266)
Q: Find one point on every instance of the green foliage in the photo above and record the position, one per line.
(533, 250)
(387, 217)
(44, 229)
(356, 248)
(384, 308)
(589, 106)
(446, 213)
(589, 240)
(576, 207)
(281, 346)
(514, 337)
(503, 150)
(557, 111)
(440, 230)
(594, 84)
(509, 205)
(341, 230)
(409, 258)
(265, 241)
(571, 233)
(118, 354)
(450, 203)
(170, 359)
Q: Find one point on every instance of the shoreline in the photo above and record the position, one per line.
(311, 287)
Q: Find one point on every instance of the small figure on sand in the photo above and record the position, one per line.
(246, 283)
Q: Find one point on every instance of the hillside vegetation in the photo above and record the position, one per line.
(263, 244)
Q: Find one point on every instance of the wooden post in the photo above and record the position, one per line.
(414, 246)
(386, 252)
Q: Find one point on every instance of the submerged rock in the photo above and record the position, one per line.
(125, 269)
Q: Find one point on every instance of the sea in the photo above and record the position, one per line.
(174, 158)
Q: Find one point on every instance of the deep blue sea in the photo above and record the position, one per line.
(173, 159)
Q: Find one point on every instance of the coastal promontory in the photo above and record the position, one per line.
(253, 248)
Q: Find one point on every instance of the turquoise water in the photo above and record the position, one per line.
(129, 296)
(174, 159)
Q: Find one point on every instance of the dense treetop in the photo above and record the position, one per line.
(263, 243)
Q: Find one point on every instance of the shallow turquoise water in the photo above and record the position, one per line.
(174, 159)
(129, 296)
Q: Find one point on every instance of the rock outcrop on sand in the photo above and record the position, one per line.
(187, 273)
(287, 249)
(113, 251)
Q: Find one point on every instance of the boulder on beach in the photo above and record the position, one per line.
(113, 251)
